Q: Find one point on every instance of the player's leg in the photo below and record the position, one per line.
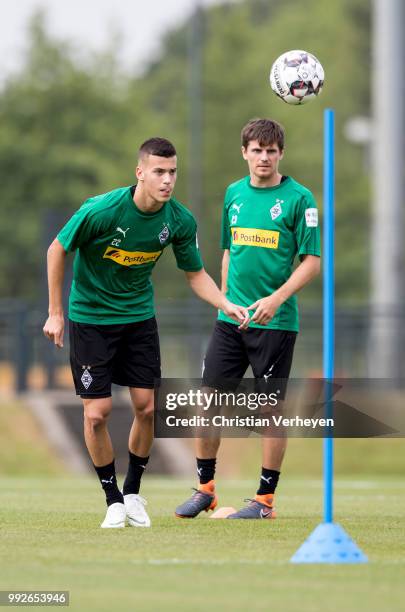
(98, 442)
(204, 498)
(92, 349)
(270, 353)
(137, 366)
(206, 454)
(224, 365)
(96, 435)
(273, 451)
(139, 445)
(141, 434)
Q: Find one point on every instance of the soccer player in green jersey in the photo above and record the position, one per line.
(268, 220)
(118, 238)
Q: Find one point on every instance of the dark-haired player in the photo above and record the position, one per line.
(118, 238)
(268, 219)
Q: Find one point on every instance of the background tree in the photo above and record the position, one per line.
(71, 122)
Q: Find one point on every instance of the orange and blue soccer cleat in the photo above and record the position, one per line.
(261, 507)
(204, 498)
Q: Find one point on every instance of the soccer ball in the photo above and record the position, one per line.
(297, 77)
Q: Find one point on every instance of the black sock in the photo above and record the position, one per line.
(136, 468)
(206, 469)
(268, 481)
(108, 479)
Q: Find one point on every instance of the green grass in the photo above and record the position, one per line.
(50, 539)
(50, 536)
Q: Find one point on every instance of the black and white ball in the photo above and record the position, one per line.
(297, 77)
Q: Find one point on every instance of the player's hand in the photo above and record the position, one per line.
(54, 329)
(239, 314)
(265, 309)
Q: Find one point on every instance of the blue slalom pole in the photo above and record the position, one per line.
(328, 298)
(328, 543)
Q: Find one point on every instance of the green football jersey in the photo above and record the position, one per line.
(265, 228)
(117, 247)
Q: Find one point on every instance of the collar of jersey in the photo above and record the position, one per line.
(140, 212)
(267, 189)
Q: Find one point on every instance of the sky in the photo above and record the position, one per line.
(89, 23)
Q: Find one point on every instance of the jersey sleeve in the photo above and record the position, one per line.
(307, 227)
(81, 227)
(185, 247)
(225, 228)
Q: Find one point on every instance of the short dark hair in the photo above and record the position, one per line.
(265, 131)
(157, 146)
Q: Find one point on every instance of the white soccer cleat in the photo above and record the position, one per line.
(115, 517)
(135, 508)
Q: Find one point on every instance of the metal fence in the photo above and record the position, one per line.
(185, 327)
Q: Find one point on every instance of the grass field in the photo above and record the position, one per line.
(49, 539)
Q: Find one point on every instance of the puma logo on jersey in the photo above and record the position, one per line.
(237, 207)
(124, 232)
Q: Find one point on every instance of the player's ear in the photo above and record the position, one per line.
(281, 154)
(139, 173)
(243, 149)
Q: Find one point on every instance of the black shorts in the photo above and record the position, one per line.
(126, 354)
(230, 352)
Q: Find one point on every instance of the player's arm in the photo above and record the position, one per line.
(224, 270)
(266, 307)
(225, 245)
(55, 324)
(206, 289)
(188, 258)
(78, 231)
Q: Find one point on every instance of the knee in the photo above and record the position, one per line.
(95, 421)
(145, 412)
(96, 417)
